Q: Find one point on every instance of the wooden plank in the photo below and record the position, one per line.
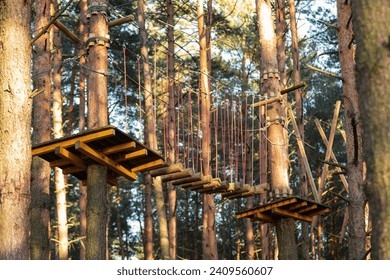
(288, 214)
(205, 180)
(266, 207)
(133, 155)
(65, 154)
(338, 169)
(104, 160)
(194, 178)
(298, 205)
(174, 168)
(71, 142)
(175, 176)
(330, 145)
(263, 217)
(304, 157)
(149, 166)
(307, 209)
(119, 148)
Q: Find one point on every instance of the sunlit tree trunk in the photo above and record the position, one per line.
(209, 235)
(371, 21)
(277, 140)
(60, 183)
(15, 127)
(97, 117)
(40, 176)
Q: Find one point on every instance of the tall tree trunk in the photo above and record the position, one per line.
(150, 129)
(61, 209)
(97, 117)
(353, 131)
(277, 144)
(171, 127)
(248, 158)
(371, 21)
(304, 248)
(83, 33)
(15, 126)
(40, 183)
(209, 235)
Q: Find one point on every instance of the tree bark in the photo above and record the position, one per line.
(277, 143)
(83, 35)
(354, 134)
(150, 128)
(40, 183)
(304, 248)
(15, 126)
(61, 209)
(97, 117)
(171, 127)
(371, 20)
(209, 242)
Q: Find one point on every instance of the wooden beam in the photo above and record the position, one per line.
(298, 205)
(120, 21)
(307, 209)
(65, 154)
(149, 166)
(133, 155)
(104, 160)
(73, 169)
(205, 180)
(293, 87)
(119, 148)
(178, 175)
(330, 145)
(286, 213)
(174, 168)
(71, 142)
(67, 32)
(59, 163)
(323, 136)
(263, 217)
(194, 178)
(267, 101)
(304, 157)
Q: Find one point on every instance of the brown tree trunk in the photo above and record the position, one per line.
(61, 208)
(83, 33)
(97, 117)
(15, 126)
(304, 248)
(209, 241)
(150, 128)
(371, 20)
(40, 183)
(277, 143)
(353, 131)
(171, 127)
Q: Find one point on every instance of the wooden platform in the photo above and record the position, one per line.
(292, 207)
(108, 146)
